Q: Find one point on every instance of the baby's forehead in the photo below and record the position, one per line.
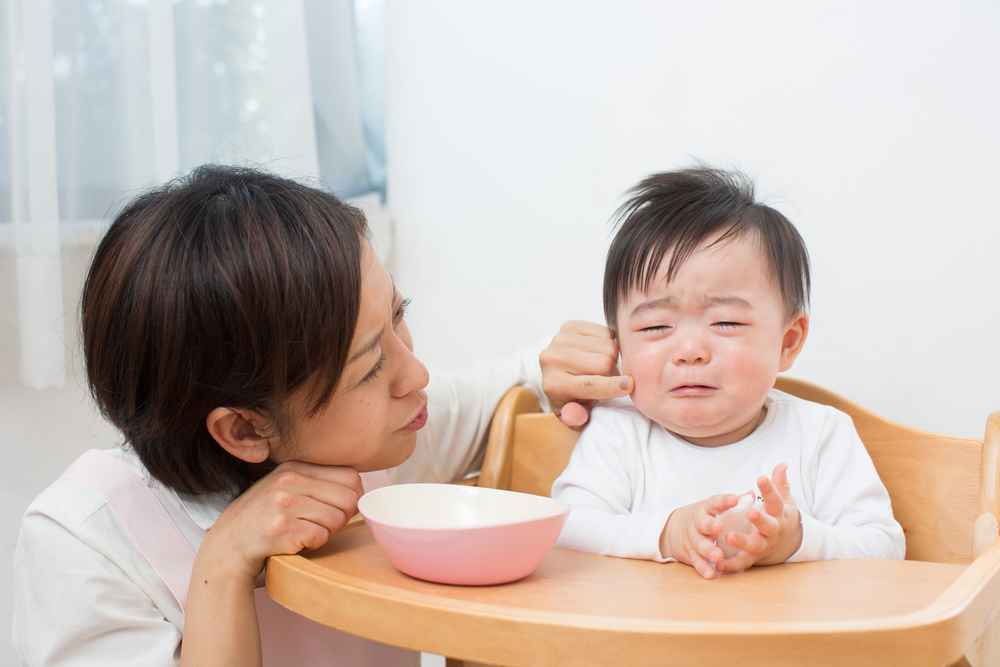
(715, 269)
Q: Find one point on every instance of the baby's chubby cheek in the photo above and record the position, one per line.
(750, 373)
(651, 375)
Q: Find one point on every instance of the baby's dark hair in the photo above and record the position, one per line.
(676, 211)
(229, 287)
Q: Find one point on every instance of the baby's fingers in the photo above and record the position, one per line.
(766, 524)
(752, 543)
(773, 502)
(738, 563)
(716, 505)
(708, 525)
(780, 477)
(703, 567)
(707, 549)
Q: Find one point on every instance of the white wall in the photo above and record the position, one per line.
(513, 129)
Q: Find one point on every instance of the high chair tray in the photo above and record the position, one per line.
(583, 609)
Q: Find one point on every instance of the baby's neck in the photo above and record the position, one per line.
(723, 439)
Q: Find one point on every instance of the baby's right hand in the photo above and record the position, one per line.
(295, 507)
(691, 531)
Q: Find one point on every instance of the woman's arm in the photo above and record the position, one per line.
(579, 363)
(295, 507)
(220, 624)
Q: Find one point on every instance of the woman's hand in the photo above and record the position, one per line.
(777, 530)
(297, 506)
(580, 366)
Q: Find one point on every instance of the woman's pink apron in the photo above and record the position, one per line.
(287, 639)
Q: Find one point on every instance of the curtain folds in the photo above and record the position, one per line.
(101, 99)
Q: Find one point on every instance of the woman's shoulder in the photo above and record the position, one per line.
(78, 581)
(68, 501)
(74, 512)
(72, 519)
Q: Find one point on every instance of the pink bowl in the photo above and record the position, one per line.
(462, 534)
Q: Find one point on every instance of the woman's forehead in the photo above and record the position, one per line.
(377, 295)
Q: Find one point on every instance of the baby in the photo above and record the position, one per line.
(707, 293)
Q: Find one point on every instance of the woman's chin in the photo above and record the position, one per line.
(402, 449)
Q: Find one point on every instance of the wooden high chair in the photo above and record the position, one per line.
(945, 493)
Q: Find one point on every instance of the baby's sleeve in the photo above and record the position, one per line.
(850, 513)
(598, 488)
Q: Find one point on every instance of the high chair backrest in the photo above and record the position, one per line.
(944, 490)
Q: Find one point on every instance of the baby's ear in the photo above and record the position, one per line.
(794, 338)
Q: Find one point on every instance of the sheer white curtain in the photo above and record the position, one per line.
(102, 99)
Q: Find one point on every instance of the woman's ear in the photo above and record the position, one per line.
(793, 340)
(240, 432)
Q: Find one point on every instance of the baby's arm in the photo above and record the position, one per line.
(597, 486)
(849, 514)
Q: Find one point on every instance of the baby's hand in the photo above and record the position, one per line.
(691, 532)
(778, 531)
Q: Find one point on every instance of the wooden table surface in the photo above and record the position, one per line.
(583, 609)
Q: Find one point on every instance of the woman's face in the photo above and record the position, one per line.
(372, 419)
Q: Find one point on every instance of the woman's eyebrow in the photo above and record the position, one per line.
(373, 343)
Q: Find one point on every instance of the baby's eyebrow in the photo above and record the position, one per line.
(669, 302)
(727, 301)
(653, 304)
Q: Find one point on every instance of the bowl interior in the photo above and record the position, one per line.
(448, 506)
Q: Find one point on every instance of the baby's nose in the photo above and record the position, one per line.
(691, 352)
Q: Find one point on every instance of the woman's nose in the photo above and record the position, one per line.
(411, 374)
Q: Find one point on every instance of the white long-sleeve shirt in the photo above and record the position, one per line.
(627, 474)
(84, 596)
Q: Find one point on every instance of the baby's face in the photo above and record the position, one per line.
(705, 349)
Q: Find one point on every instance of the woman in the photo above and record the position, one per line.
(241, 333)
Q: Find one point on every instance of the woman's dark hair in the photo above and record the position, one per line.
(677, 211)
(229, 287)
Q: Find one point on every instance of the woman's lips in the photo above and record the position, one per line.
(417, 422)
(692, 390)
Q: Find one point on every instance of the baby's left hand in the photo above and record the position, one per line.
(778, 531)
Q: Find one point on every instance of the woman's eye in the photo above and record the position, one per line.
(373, 373)
(400, 313)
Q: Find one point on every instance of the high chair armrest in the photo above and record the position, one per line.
(990, 484)
(964, 613)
